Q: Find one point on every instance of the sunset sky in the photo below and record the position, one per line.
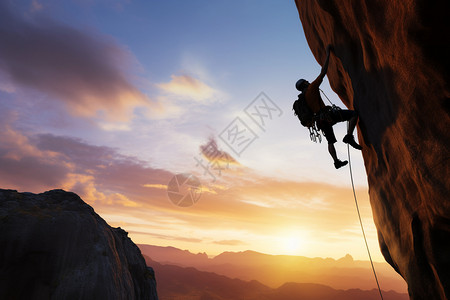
(111, 99)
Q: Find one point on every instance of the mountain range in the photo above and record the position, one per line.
(181, 283)
(254, 275)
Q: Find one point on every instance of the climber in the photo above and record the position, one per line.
(326, 116)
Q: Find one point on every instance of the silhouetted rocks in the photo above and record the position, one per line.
(54, 246)
(391, 65)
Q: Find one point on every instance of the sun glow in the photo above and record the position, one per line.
(292, 244)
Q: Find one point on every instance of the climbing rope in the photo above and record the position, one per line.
(360, 221)
(327, 97)
(357, 206)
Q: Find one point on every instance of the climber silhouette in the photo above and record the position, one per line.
(326, 116)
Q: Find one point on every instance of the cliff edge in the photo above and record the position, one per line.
(54, 246)
(391, 65)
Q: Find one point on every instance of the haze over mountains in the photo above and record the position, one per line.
(274, 271)
(178, 283)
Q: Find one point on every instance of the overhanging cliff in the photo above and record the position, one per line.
(390, 63)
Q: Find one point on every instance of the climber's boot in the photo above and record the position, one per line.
(338, 163)
(349, 139)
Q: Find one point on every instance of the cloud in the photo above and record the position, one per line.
(6, 84)
(212, 153)
(99, 174)
(156, 186)
(36, 6)
(87, 71)
(258, 203)
(120, 199)
(115, 126)
(186, 86)
(25, 166)
(230, 242)
(168, 237)
(165, 108)
(112, 171)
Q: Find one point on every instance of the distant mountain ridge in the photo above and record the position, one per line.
(178, 256)
(276, 270)
(174, 255)
(176, 283)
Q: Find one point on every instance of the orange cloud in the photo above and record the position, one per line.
(189, 87)
(119, 199)
(156, 186)
(165, 108)
(230, 242)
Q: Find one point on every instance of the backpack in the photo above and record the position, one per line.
(303, 112)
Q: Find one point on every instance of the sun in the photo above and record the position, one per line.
(292, 244)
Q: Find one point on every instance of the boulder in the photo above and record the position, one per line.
(54, 246)
(390, 64)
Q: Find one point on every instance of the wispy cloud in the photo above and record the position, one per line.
(156, 186)
(211, 152)
(87, 71)
(257, 203)
(168, 237)
(36, 5)
(189, 87)
(230, 242)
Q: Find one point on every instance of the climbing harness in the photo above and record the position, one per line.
(325, 115)
(356, 203)
(314, 131)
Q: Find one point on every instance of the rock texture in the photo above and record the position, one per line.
(54, 246)
(391, 65)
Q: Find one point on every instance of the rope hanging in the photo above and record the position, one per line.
(356, 203)
(360, 222)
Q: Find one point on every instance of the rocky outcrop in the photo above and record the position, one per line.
(54, 246)
(390, 64)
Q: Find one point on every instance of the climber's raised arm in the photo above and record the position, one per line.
(324, 70)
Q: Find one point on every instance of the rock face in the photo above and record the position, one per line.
(54, 246)
(391, 65)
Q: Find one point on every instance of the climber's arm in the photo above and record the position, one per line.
(325, 65)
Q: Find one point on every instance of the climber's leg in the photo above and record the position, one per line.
(337, 163)
(331, 138)
(352, 124)
(352, 117)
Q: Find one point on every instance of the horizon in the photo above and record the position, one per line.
(251, 265)
(249, 250)
(117, 98)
